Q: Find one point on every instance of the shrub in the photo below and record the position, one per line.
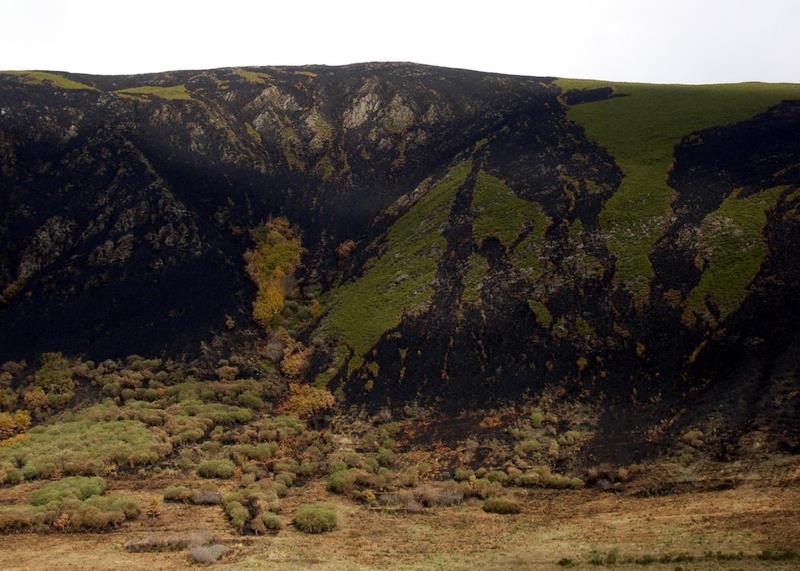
(55, 374)
(35, 398)
(262, 452)
(386, 457)
(177, 494)
(215, 469)
(480, 488)
(237, 514)
(501, 506)
(347, 481)
(75, 488)
(227, 373)
(315, 519)
(307, 400)
(265, 522)
(497, 476)
(271, 521)
(13, 424)
(251, 401)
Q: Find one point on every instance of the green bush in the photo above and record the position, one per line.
(237, 514)
(215, 469)
(315, 519)
(71, 488)
(501, 506)
(265, 522)
(177, 494)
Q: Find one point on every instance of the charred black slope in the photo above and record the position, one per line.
(126, 200)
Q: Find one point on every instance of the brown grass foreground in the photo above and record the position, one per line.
(553, 525)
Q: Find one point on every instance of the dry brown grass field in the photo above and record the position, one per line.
(554, 526)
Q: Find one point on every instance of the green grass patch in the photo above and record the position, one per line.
(641, 130)
(85, 447)
(732, 243)
(501, 214)
(169, 93)
(400, 280)
(543, 315)
(249, 76)
(46, 78)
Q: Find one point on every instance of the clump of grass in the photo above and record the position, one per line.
(315, 519)
(641, 130)
(222, 468)
(501, 506)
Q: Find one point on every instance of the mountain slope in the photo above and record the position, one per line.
(468, 237)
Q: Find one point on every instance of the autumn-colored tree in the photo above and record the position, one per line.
(275, 257)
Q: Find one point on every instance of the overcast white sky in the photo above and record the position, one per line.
(685, 41)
